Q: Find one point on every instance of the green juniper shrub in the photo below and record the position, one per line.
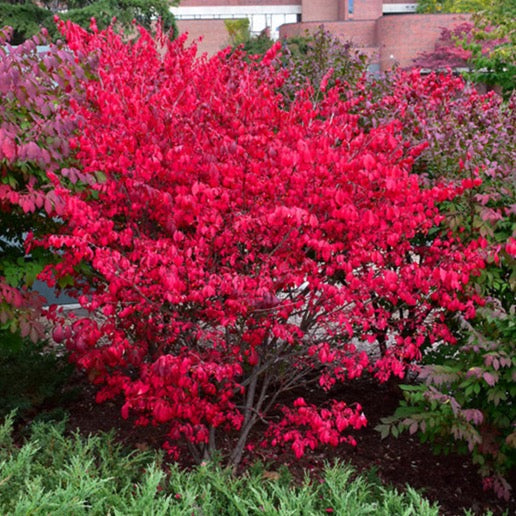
(51, 473)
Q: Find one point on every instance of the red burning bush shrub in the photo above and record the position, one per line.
(235, 249)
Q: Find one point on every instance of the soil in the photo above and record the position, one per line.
(451, 480)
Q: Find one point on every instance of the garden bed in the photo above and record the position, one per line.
(452, 480)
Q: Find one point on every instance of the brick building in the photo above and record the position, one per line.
(389, 31)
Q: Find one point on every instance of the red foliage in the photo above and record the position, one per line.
(467, 139)
(307, 427)
(453, 49)
(35, 88)
(237, 249)
(448, 53)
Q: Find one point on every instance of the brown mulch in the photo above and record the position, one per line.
(451, 480)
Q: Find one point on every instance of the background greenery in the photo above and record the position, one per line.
(26, 17)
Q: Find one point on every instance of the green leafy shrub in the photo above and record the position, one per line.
(259, 44)
(468, 140)
(238, 30)
(468, 394)
(487, 45)
(320, 59)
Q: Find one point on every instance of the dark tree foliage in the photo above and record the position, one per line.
(26, 17)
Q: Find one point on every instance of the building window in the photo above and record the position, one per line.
(350, 6)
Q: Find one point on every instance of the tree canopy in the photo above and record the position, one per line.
(503, 7)
(27, 17)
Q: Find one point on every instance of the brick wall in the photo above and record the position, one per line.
(213, 32)
(404, 36)
(367, 9)
(320, 10)
(392, 39)
(209, 3)
(366, 4)
(362, 33)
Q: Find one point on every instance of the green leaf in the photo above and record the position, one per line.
(384, 430)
